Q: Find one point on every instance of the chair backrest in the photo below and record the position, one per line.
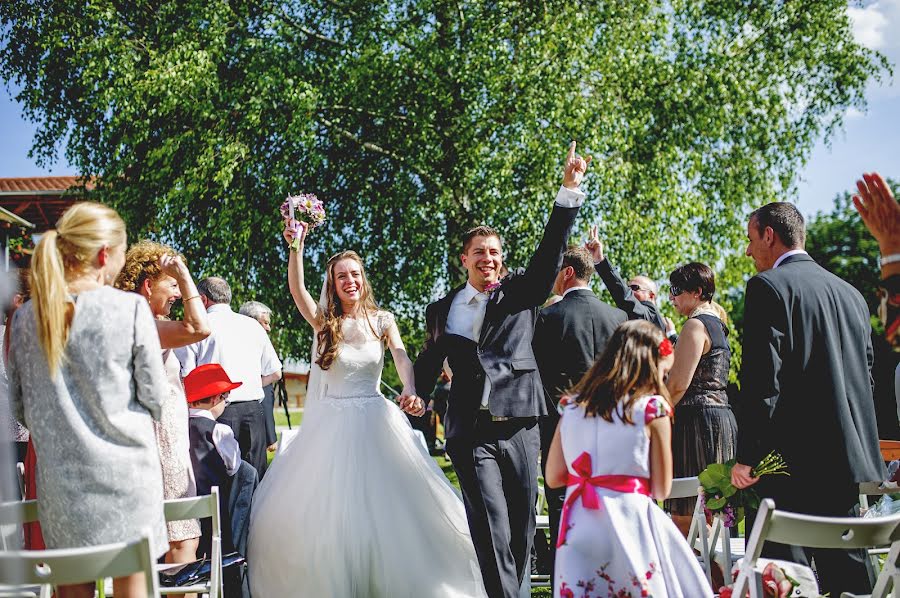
(196, 507)
(822, 532)
(69, 566)
(797, 529)
(18, 512)
(200, 507)
(685, 487)
(287, 436)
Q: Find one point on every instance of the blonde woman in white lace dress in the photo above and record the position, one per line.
(355, 507)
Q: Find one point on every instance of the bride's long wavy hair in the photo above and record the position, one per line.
(330, 337)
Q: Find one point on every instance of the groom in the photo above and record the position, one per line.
(484, 329)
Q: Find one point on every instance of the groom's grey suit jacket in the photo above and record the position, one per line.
(503, 355)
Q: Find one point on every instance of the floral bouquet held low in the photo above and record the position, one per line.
(298, 210)
(719, 496)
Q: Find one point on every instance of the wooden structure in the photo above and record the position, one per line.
(40, 200)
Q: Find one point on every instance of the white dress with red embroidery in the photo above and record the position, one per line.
(615, 540)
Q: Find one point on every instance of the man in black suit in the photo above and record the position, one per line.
(806, 390)
(637, 297)
(569, 335)
(484, 328)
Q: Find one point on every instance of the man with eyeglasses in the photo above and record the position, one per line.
(637, 298)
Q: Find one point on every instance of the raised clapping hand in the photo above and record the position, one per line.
(575, 168)
(412, 404)
(879, 211)
(594, 245)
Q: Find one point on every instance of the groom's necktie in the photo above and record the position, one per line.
(478, 302)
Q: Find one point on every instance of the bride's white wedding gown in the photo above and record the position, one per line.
(355, 507)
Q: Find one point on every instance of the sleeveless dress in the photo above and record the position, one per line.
(705, 430)
(627, 545)
(355, 507)
(173, 438)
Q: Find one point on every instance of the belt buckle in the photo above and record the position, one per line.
(500, 418)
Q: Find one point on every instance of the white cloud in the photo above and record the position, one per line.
(853, 114)
(869, 25)
(876, 26)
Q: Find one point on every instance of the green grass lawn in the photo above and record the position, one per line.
(281, 419)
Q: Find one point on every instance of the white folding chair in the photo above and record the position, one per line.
(867, 489)
(69, 566)
(542, 522)
(817, 532)
(199, 507)
(690, 488)
(15, 514)
(287, 436)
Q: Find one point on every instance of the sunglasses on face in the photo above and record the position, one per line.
(636, 288)
(674, 291)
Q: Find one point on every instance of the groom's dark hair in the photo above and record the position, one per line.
(479, 231)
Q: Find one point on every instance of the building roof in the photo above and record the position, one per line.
(40, 200)
(49, 185)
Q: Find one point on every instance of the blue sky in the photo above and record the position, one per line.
(868, 142)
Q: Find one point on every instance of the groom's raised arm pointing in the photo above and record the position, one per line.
(484, 328)
(533, 287)
(529, 289)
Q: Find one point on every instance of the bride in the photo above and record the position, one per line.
(355, 507)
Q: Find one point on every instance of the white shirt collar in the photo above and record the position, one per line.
(788, 254)
(469, 292)
(192, 412)
(578, 288)
(218, 307)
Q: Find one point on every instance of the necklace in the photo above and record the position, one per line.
(703, 308)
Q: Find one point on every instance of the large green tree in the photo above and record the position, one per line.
(838, 240)
(417, 119)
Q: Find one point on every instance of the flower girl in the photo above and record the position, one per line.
(612, 449)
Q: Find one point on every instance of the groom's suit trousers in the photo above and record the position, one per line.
(497, 470)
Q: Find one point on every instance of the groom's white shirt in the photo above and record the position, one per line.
(467, 310)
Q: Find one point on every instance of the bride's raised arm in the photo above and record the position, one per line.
(305, 303)
(409, 402)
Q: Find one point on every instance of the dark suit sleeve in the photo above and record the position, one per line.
(624, 296)
(431, 359)
(533, 287)
(765, 327)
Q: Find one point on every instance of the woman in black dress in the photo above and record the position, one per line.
(705, 430)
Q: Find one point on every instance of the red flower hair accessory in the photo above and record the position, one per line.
(666, 348)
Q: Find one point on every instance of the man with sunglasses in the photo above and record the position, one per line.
(637, 298)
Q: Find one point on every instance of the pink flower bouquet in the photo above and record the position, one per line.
(305, 208)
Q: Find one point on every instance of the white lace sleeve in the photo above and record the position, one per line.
(385, 319)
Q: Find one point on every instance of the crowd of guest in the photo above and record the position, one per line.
(94, 374)
(118, 406)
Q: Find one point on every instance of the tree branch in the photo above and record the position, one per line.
(310, 33)
(367, 145)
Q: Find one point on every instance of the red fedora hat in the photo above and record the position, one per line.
(206, 381)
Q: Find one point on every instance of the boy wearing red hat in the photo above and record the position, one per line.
(215, 453)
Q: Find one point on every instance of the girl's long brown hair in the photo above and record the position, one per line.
(630, 362)
(331, 335)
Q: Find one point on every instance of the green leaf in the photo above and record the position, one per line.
(716, 503)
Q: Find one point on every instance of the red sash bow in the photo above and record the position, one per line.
(581, 479)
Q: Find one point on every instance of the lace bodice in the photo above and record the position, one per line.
(356, 371)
